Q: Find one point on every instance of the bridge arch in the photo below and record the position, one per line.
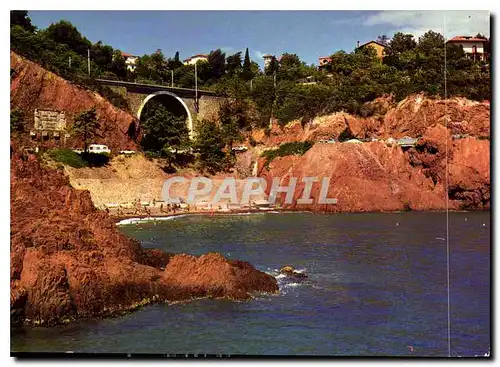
(179, 99)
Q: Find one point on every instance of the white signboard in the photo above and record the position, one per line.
(50, 120)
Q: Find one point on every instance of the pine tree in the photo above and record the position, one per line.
(247, 67)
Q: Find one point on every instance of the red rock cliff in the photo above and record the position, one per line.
(69, 261)
(33, 87)
(375, 176)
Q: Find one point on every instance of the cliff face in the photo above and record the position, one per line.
(411, 117)
(68, 260)
(33, 87)
(375, 176)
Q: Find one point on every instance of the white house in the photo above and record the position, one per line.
(130, 61)
(267, 60)
(195, 58)
(473, 47)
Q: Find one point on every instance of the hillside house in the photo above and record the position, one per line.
(379, 47)
(475, 48)
(195, 58)
(130, 61)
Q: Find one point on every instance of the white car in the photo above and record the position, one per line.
(240, 148)
(99, 148)
(78, 150)
(127, 152)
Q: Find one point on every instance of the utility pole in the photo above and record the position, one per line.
(196, 87)
(172, 78)
(88, 59)
(251, 84)
(69, 62)
(274, 101)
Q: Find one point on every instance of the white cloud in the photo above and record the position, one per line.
(258, 55)
(450, 22)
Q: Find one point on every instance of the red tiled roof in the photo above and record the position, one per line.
(267, 55)
(325, 57)
(125, 54)
(466, 39)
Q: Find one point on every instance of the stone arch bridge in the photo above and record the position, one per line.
(194, 105)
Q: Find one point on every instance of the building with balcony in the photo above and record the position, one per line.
(475, 48)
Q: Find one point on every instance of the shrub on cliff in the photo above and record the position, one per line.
(16, 120)
(292, 148)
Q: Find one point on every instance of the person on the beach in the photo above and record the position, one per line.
(161, 208)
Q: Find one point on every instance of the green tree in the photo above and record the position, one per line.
(66, 33)
(86, 125)
(102, 55)
(153, 68)
(263, 97)
(400, 52)
(177, 61)
(233, 64)
(209, 144)
(118, 65)
(273, 67)
(254, 69)
(165, 134)
(248, 72)
(217, 60)
(291, 68)
(21, 18)
(431, 42)
(16, 120)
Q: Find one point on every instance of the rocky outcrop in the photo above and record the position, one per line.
(384, 118)
(377, 177)
(68, 261)
(33, 87)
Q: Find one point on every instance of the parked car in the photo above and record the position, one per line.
(78, 150)
(99, 149)
(240, 148)
(127, 152)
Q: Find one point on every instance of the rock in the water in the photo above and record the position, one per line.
(290, 271)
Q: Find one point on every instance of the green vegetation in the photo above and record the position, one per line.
(209, 145)
(86, 125)
(292, 148)
(70, 158)
(16, 120)
(165, 135)
(67, 157)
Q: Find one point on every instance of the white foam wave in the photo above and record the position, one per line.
(147, 219)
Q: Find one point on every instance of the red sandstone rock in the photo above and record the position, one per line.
(69, 261)
(363, 177)
(376, 177)
(411, 117)
(33, 87)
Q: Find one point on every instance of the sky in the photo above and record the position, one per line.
(309, 34)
